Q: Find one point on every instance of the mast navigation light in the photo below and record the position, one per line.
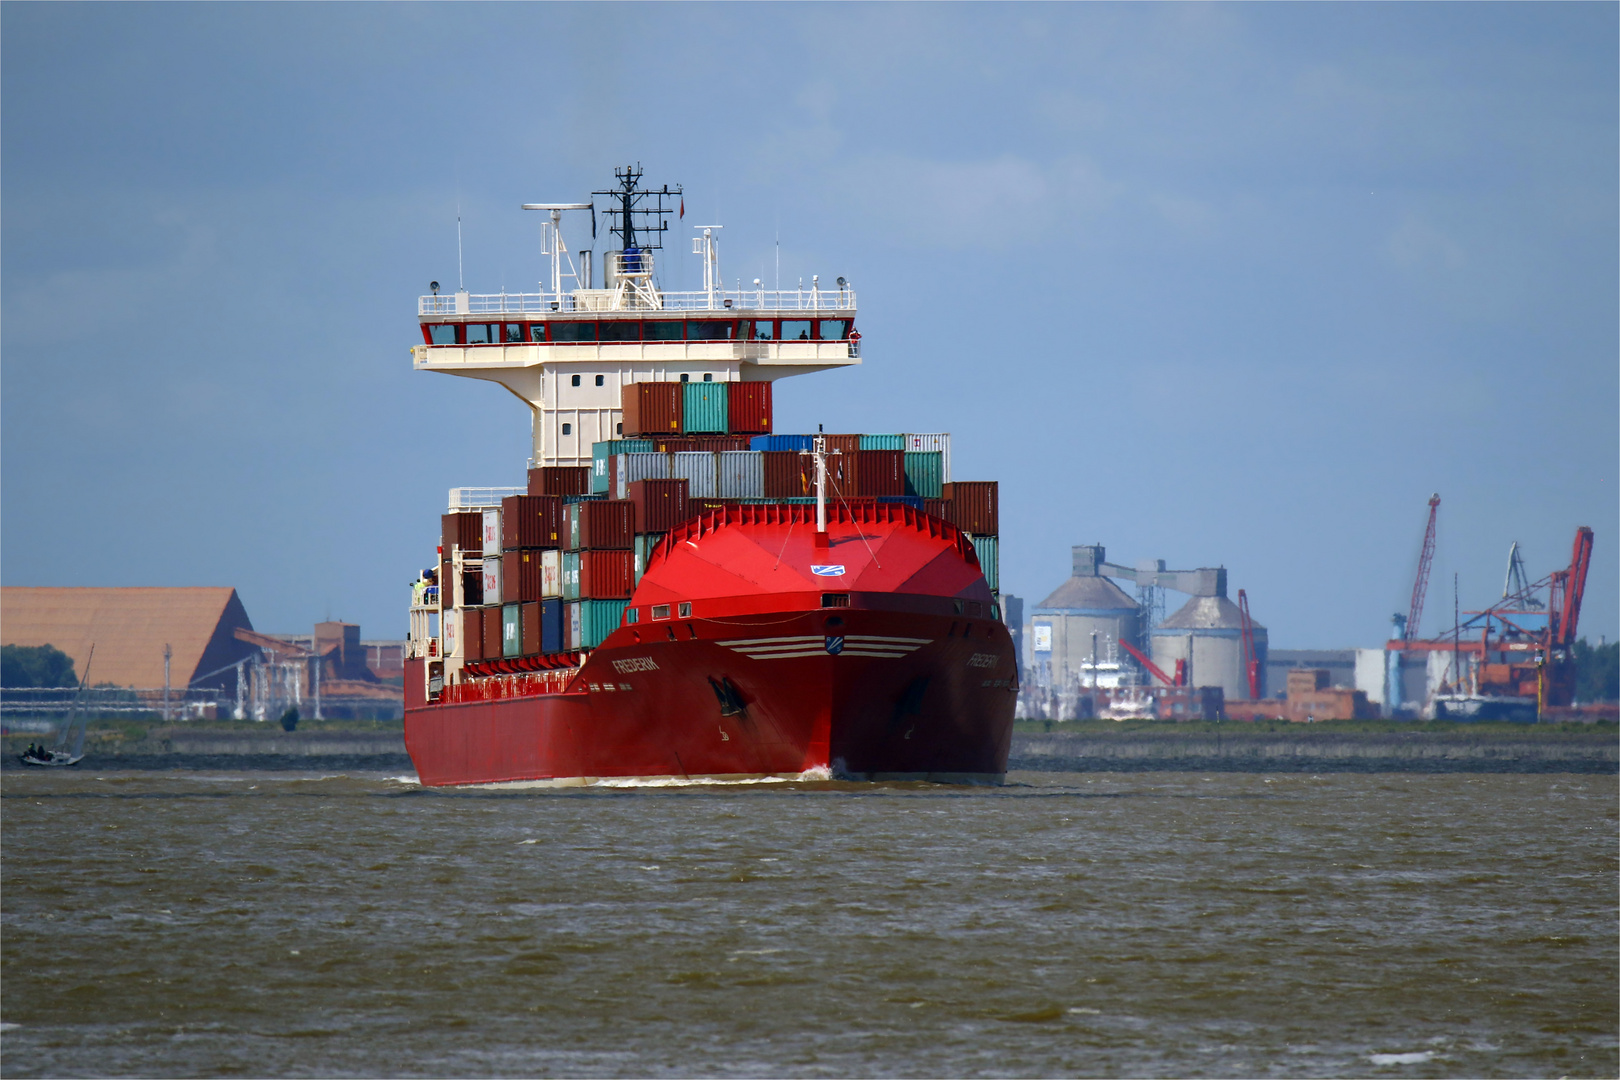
(434, 285)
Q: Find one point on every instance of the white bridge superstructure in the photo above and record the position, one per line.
(568, 353)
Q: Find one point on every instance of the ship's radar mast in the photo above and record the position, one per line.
(551, 243)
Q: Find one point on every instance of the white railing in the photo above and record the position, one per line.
(745, 300)
(481, 498)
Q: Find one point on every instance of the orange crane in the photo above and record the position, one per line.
(1251, 664)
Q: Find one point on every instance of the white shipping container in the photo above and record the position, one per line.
(492, 532)
(574, 635)
(740, 474)
(492, 580)
(450, 625)
(628, 468)
(550, 574)
(698, 469)
(934, 444)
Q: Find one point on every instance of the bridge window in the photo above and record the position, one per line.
(763, 330)
(599, 380)
(684, 611)
(477, 334)
(661, 331)
(574, 381)
(537, 331)
(835, 599)
(708, 377)
(621, 330)
(795, 329)
(660, 611)
(685, 377)
(443, 333)
(833, 329)
(514, 333)
(708, 330)
(568, 429)
(573, 331)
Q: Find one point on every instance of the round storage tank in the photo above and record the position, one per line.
(1208, 632)
(1081, 607)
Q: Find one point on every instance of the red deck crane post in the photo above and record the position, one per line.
(1251, 663)
(1153, 669)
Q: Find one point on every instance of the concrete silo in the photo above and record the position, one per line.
(1081, 623)
(1207, 634)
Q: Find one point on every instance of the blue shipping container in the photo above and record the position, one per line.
(704, 406)
(551, 626)
(913, 501)
(782, 442)
(601, 452)
(883, 442)
(925, 474)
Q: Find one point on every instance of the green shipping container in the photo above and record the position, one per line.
(512, 630)
(591, 621)
(988, 548)
(704, 406)
(925, 473)
(602, 465)
(883, 442)
(570, 575)
(646, 544)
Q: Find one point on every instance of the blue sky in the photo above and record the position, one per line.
(1219, 284)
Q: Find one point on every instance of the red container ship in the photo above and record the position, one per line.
(843, 632)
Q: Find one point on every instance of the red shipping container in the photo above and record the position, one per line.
(472, 634)
(650, 408)
(560, 480)
(606, 575)
(520, 576)
(975, 506)
(748, 408)
(881, 472)
(492, 632)
(529, 622)
(940, 508)
(465, 529)
(788, 474)
(531, 521)
(609, 523)
(660, 504)
(447, 584)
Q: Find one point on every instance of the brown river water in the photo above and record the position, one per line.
(1144, 924)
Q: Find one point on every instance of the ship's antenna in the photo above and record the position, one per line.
(778, 254)
(461, 283)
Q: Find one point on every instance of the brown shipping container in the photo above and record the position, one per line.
(660, 504)
(465, 529)
(708, 443)
(560, 480)
(976, 506)
(748, 408)
(940, 508)
(529, 620)
(606, 575)
(606, 524)
(531, 521)
(697, 507)
(520, 576)
(651, 408)
(881, 472)
(788, 474)
(472, 633)
(492, 632)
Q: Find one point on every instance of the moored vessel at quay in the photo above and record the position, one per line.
(679, 591)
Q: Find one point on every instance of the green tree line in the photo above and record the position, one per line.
(35, 665)
(1597, 671)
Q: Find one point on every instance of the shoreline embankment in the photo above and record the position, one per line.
(1086, 748)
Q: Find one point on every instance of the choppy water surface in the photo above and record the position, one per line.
(1164, 924)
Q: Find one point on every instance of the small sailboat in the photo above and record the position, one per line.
(68, 747)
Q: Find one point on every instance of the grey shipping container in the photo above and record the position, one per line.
(739, 474)
(628, 468)
(925, 473)
(601, 459)
(697, 468)
(988, 549)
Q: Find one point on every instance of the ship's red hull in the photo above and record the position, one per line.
(942, 709)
